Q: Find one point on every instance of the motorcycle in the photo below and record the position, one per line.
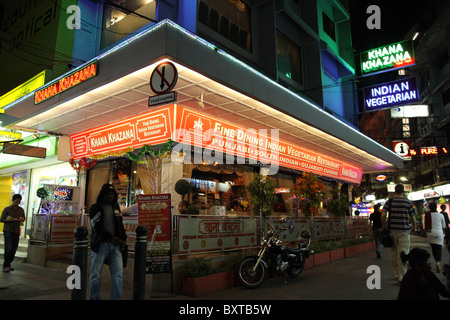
(253, 270)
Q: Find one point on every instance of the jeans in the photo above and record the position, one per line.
(401, 243)
(377, 236)
(11, 244)
(111, 255)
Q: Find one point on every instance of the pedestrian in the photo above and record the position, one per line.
(377, 228)
(435, 233)
(419, 283)
(107, 241)
(12, 216)
(447, 221)
(400, 211)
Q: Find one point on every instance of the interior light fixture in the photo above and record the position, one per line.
(200, 101)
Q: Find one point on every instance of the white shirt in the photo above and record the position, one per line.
(437, 225)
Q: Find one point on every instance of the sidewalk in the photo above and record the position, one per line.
(340, 280)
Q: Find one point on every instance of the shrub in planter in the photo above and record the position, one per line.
(193, 210)
(182, 187)
(200, 278)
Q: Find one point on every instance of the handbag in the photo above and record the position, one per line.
(386, 239)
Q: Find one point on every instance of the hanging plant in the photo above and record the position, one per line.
(308, 193)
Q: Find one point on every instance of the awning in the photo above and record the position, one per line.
(229, 89)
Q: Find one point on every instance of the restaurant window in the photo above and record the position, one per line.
(229, 18)
(289, 58)
(121, 173)
(328, 26)
(219, 189)
(123, 17)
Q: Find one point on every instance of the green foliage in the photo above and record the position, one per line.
(197, 267)
(193, 210)
(263, 196)
(338, 206)
(328, 245)
(147, 150)
(182, 187)
(231, 262)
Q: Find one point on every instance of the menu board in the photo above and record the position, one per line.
(155, 214)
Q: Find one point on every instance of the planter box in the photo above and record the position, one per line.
(337, 254)
(321, 258)
(309, 262)
(354, 250)
(208, 284)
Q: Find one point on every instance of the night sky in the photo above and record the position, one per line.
(397, 18)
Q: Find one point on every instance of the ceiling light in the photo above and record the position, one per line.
(200, 101)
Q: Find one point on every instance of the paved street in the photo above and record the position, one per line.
(340, 280)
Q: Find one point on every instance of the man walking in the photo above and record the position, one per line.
(12, 217)
(107, 241)
(400, 210)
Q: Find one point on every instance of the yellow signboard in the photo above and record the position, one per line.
(10, 136)
(25, 88)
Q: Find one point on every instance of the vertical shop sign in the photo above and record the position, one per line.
(155, 214)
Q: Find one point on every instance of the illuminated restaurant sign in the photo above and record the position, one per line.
(428, 151)
(387, 58)
(391, 94)
(193, 128)
(69, 81)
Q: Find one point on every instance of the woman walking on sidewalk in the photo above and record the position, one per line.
(377, 228)
(435, 227)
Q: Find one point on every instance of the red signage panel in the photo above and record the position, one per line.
(151, 128)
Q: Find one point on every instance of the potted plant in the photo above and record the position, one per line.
(308, 192)
(338, 206)
(182, 187)
(263, 196)
(201, 278)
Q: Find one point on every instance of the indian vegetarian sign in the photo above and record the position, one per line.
(391, 94)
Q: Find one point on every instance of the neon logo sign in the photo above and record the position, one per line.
(65, 83)
(390, 57)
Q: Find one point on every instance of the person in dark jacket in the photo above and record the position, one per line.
(419, 282)
(108, 240)
(377, 228)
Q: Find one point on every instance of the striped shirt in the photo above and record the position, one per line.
(400, 209)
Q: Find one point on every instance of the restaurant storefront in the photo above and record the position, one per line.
(226, 123)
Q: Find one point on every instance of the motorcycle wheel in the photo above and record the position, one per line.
(295, 270)
(248, 278)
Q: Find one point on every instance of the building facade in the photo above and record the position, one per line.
(271, 76)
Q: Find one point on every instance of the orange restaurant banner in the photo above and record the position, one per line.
(191, 127)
